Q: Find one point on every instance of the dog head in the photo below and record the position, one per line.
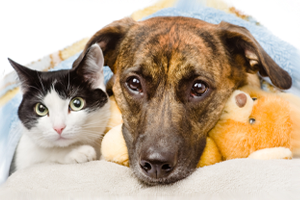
(173, 76)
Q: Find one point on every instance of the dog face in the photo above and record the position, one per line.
(173, 76)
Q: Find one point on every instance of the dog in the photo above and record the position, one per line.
(172, 78)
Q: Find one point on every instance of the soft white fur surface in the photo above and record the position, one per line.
(247, 178)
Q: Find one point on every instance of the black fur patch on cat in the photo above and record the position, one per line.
(13, 167)
(67, 83)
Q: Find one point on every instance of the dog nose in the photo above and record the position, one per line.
(158, 165)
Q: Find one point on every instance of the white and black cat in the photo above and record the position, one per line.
(64, 113)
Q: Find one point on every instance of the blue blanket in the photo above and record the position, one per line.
(284, 54)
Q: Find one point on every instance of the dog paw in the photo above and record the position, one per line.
(272, 153)
(81, 154)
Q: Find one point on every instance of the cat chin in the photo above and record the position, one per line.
(51, 144)
(64, 143)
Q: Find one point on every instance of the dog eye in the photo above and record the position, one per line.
(134, 84)
(198, 89)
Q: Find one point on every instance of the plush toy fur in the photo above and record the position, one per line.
(294, 102)
(113, 147)
(116, 116)
(260, 128)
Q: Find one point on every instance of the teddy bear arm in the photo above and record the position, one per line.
(113, 147)
(272, 153)
(210, 155)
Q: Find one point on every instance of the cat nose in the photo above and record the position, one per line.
(59, 129)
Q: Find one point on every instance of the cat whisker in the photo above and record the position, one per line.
(91, 136)
(92, 132)
(38, 75)
(91, 123)
(30, 86)
(68, 86)
(96, 126)
(76, 91)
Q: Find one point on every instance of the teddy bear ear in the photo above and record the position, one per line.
(238, 107)
(241, 100)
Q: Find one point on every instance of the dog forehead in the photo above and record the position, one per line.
(161, 22)
(174, 46)
(173, 31)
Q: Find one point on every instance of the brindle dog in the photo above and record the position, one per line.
(173, 76)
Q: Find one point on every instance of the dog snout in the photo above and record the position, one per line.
(158, 164)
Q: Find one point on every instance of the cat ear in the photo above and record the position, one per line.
(25, 74)
(109, 38)
(91, 67)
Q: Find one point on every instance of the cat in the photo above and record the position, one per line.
(63, 113)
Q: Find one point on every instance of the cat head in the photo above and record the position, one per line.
(63, 107)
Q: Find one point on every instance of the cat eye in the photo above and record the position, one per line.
(198, 88)
(41, 110)
(77, 104)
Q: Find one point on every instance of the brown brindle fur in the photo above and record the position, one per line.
(168, 54)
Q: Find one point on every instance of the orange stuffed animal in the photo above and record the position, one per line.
(254, 124)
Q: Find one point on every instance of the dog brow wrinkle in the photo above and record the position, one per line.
(209, 40)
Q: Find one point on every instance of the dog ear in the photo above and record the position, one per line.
(109, 39)
(240, 42)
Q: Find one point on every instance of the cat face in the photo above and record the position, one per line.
(64, 107)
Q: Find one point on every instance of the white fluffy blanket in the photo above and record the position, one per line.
(248, 177)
